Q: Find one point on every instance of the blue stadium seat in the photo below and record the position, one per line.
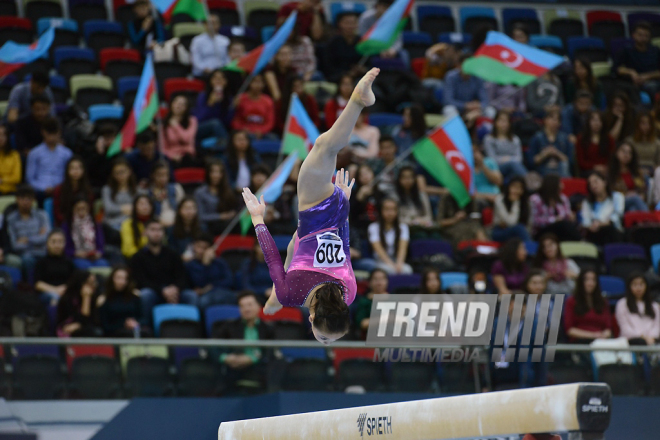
(291, 353)
(546, 41)
(424, 11)
(127, 84)
(435, 20)
(282, 242)
(655, 257)
(526, 16)
(266, 33)
(57, 81)
(263, 146)
(613, 288)
(455, 38)
(450, 279)
(101, 34)
(94, 26)
(473, 16)
(423, 248)
(385, 119)
(72, 53)
(616, 250)
(417, 37)
(19, 351)
(337, 8)
(163, 312)
(180, 354)
(577, 43)
(105, 111)
(617, 45)
(58, 23)
(395, 281)
(14, 274)
(532, 247)
(214, 314)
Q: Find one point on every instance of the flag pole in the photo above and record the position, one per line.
(230, 226)
(286, 129)
(241, 90)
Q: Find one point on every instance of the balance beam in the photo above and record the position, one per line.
(581, 407)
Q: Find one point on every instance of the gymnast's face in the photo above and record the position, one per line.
(324, 337)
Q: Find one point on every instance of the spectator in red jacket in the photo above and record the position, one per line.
(255, 111)
(586, 314)
(594, 145)
(297, 86)
(335, 106)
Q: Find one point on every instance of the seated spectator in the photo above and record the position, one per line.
(439, 59)
(240, 157)
(311, 19)
(159, 272)
(245, 366)
(144, 157)
(510, 270)
(118, 194)
(10, 164)
(186, 227)
(27, 228)
(179, 133)
(602, 211)
(121, 313)
(646, 143)
(54, 270)
(594, 145)
(279, 74)
(412, 129)
(27, 129)
(583, 79)
(297, 86)
(209, 50)
(364, 203)
(303, 57)
(487, 176)
(414, 204)
(235, 51)
(216, 201)
(254, 275)
(363, 142)
(47, 162)
(341, 55)
(464, 94)
(550, 150)
(132, 229)
(95, 157)
(387, 157)
(626, 177)
(551, 211)
(457, 224)
(75, 186)
(210, 277)
(165, 194)
(336, 105)
(619, 118)
(84, 237)
(504, 147)
(146, 27)
(511, 216)
(378, 281)
(536, 283)
(431, 282)
(574, 116)
(508, 98)
(640, 62)
(213, 109)
(586, 314)
(544, 94)
(76, 310)
(369, 18)
(638, 315)
(478, 282)
(20, 96)
(520, 33)
(255, 111)
(389, 239)
(560, 272)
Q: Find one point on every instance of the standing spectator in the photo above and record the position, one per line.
(511, 216)
(646, 143)
(640, 62)
(213, 110)
(254, 275)
(544, 94)
(342, 56)
(46, 163)
(118, 194)
(54, 270)
(216, 201)
(159, 272)
(583, 79)
(336, 105)
(551, 211)
(431, 282)
(504, 147)
(146, 28)
(619, 118)
(144, 157)
(487, 176)
(310, 20)
(240, 158)
(412, 129)
(414, 204)
(255, 111)
(132, 229)
(550, 150)
(121, 312)
(458, 224)
(84, 237)
(594, 145)
(561, 272)
(574, 116)
(637, 314)
(76, 311)
(75, 186)
(279, 74)
(389, 239)
(510, 270)
(10, 164)
(378, 281)
(209, 50)
(179, 133)
(303, 58)
(586, 314)
(625, 177)
(464, 94)
(602, 212)
(363, 142)
(369, 17)
(18, 104)
(186, 227)
(28, 128)
(210, 277)
(165, 194)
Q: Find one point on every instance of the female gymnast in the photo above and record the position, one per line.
(317, 272)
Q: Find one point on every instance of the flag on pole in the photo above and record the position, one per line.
(272, 188)
(446, 153)
(255, 60)
(386, 30)
(504, 61)
(168, 8)
(143, 112)
(13, 56)
(300, 133)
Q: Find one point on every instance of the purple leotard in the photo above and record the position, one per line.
(324, 225)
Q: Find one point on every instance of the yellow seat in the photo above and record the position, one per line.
(578, 249)
(184, 29)
(6, 201)
(433, 120)
(312, 87)
(87, 81)
(251, 5)
(553, 14)
(127, 352)
(601, 68)
(656, 41)
(3, 108)
(103, 271)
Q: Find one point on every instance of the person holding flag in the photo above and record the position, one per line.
(318, 273)
(369, 18)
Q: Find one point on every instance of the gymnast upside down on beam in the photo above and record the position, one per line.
(317, 273)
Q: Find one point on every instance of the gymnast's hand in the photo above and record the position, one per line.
(255, 207)
(363, 95)
(341, 182)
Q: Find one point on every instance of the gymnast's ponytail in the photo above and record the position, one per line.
(330, 311)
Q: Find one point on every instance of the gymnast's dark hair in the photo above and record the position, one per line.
(330, 310)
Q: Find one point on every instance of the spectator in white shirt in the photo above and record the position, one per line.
(389, 239)
(209, 50)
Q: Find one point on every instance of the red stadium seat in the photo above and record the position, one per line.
(487, 216)
(476, 244)
(417, 65)
(290, 314)
(631, 219)
(343, 354)
(15, 22)
(118, 54)
(221, 4)
(175, 85)
(596, 16)
(236, 242)
(75, 351)
(187, 176)
(574, 186)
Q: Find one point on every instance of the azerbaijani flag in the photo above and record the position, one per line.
(271, 189)
(13, 56)
(255, 60)
(446, 153)
(504, 61)
(386, 30)
(168, 8)
(300, 133)
(143, 112)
